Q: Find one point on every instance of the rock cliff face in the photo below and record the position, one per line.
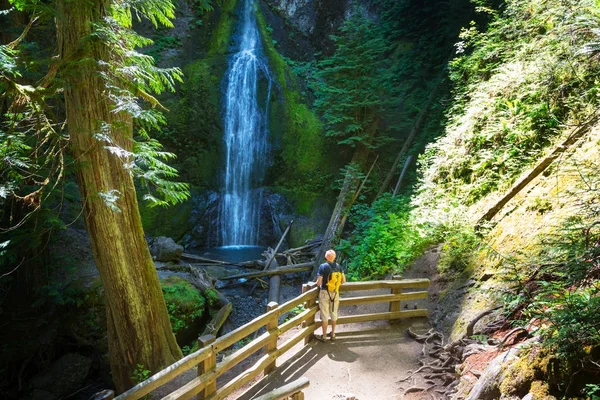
(314, 21)
(302, 14)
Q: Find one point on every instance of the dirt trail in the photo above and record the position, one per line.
(365, 361)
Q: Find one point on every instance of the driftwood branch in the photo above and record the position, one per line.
(193, 257)
(406, 164)
(218, 320)
(278, 271)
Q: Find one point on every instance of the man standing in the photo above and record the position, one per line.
(329, 278)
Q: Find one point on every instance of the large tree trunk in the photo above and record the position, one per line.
(139, 330)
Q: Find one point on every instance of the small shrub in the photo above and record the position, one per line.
(187, 350)
(140, 374)
(457, 251)
(383, 241)
(294, 312)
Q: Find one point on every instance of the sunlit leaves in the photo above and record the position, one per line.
(156, 11)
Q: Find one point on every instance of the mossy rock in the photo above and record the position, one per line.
(312, 213)
(294, 127)
(173, 221)
(520, 376)
(186, 306)
(194, 128)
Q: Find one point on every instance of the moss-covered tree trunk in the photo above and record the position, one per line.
(139, 330)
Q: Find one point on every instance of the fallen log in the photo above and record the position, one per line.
(406, 164)
(305, 247)
(415, 131)
(193, 257)
(274, 284)
(278, 271)
(218, 320)
(541, 166)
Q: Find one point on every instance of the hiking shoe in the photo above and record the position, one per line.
(331, 336)
(321, 338)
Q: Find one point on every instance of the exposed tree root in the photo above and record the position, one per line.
(520, 330)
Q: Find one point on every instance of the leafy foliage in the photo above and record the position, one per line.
(520, 84)
(458, 250)
(353, 87)
(559, 288)
(383, 240)
(33, 139)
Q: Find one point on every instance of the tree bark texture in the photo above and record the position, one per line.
(139, 330)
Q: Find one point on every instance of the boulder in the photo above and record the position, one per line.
(165, 249)
(63, 377)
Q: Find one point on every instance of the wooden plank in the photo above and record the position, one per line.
(209, 364)
(298, 319)
(235, 358)
(218, 320)
(164, 376)
(304, 333)
(383, 298)
(311, 302)
(311, 292)
(382, 316)
(271, 347)
(193, 387)
(402, 284)
(236, 335)
(244, 377)
(286, 390)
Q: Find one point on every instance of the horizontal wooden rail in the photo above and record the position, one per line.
(167, 374)
(352, 319)
(383, 298)
(371, 285)
(240, 333)
(204, 385)
(298, 319)
(312, 293)
(287, 390)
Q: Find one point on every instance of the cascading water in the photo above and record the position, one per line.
(245, 137)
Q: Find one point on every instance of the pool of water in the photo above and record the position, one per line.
(232, 254)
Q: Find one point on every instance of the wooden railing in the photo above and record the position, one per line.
(205, 359)
(292, 390)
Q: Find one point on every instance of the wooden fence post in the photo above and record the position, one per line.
(310, 303)
(395, 305)
(272, 326)
(207, 365)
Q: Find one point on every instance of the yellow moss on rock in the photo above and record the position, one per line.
(540, 391)
(521, 375)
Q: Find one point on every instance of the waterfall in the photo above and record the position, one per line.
(245, 137)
